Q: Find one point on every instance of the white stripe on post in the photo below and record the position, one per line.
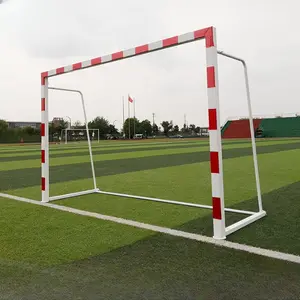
(44, 141)
(215, 136)
(186, 37)
(51, 73)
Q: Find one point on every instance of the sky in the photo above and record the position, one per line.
(40, 35)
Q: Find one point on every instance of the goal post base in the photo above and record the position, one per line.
(242, 223)
(71, 195)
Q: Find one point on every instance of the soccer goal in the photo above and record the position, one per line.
(220, 231)
(77, 135)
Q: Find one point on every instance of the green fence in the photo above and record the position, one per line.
(11, 137)
(280, 127)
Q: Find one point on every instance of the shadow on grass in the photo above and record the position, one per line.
(167, 267)
(279, 230)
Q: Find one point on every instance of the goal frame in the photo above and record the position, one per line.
(220, 231)
(64, 133)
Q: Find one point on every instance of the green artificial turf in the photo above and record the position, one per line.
(69, 172)
(49, 254)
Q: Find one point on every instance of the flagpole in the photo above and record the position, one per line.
(128, 118)
(134, 117)
(123, 115)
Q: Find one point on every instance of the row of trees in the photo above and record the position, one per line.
(131, 126)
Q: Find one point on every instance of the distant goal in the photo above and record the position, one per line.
(79, 135)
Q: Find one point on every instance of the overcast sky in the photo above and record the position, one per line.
(39, 35)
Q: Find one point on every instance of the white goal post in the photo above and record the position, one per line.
(220, 231)
(94, 134)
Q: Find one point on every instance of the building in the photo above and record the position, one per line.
(20, 124)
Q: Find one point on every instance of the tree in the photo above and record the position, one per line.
(113, 129)
(126, 127)
(145, 127)
(184, 129)
(155, 129)
(192, 128)
(58, 126)
(29, 130)
(102, 124)
(197, 129)
(77, 125)
(99, 123)
(167, 126)
(3, 126)
(176, 129)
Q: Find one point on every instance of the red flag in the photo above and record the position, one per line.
(130, 99)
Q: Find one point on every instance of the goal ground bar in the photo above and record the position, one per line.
(246, 212)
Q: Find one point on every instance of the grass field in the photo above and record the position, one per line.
(50, 254)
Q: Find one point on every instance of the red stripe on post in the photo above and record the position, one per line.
(43, 184)
(211, 81)
(170, 41)
(200, 34)
(214, 162)
(43, 129)
(43, 104)
(43, 158)
(216, 202)
(209, 38)
(60, 70)
(117, 55)
(142, 49)
(212, 119)
(96, 61)
(77, 66)
(44, 75)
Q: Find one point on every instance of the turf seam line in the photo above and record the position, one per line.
(192, 236)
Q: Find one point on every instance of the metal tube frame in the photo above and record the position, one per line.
(86, 128)
(209, 35)
(65, 130)
(252, 216)
(261, 212)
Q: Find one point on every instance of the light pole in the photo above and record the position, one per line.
(153, 123)
(114, 123)
(69, 127)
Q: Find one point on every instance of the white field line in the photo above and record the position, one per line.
(192, 236)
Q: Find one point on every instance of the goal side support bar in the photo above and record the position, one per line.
(254, 152)
(45, 148)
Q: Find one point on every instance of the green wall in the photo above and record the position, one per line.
(281, 127)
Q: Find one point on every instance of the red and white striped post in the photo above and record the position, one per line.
(215, 142)
(44, 138)
(209, 34)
